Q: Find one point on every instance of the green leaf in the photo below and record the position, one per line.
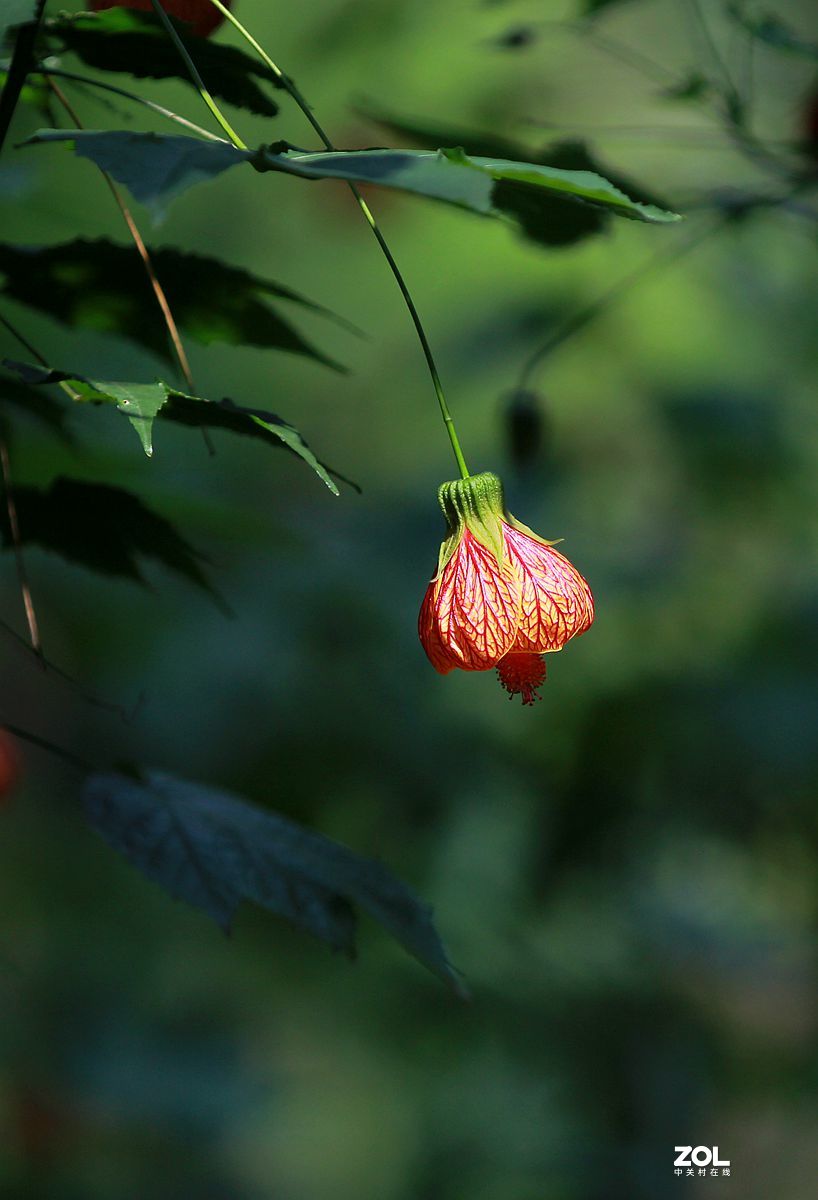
(155, 168)
(214, 850)
(475, 183)
(548, 219)
(102, 286)
(250, 422)
(136, 43)
(143, 402)
(106, 529)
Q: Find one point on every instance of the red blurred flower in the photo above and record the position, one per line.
(199, 14)
(10, 766)
(502, 596)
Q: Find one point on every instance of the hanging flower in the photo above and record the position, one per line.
(502, 596)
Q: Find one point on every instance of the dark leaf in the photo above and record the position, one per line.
(215, 850)
(102, 286)
(772, 31)
(592, 8)
(156, 168)
(104, 528)
(136, 43)
(142, 402)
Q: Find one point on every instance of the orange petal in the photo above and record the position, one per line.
(557, 603)
(476, 607)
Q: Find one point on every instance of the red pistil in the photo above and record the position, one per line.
(522, 674)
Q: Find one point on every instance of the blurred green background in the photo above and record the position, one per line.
(625, 873)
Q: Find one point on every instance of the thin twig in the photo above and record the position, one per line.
(34, 352)
(147, 261)
(142, 249)
(51, 747)
(22, 574)
(159, 109)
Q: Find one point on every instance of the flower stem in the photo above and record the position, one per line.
(285, 82)
(198, 82)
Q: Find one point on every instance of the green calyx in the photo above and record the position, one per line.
(475, 503)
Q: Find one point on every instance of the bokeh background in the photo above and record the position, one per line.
(625, 873)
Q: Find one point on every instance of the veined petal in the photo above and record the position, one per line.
(557, 603)
(476, 607)
(436, 652)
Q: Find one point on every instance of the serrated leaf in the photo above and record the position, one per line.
(214, 850)
(471, 182)
(136, 43)
(155, 168)
(103, 286)
(249, 422)
(548, 219)
(143, 402)
(104, 528)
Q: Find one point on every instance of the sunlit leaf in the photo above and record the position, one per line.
(101, 527)
(156, 168)
(102, 286)
(143, 402)
(136, 43)
(549, 219)
(214, 850)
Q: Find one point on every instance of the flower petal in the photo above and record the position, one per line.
(557, 603)
(429, 636)
(476, 607)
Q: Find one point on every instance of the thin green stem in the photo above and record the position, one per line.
(198, 82)
(285, 82)
(59, 73)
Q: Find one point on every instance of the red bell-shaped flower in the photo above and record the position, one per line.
(502, 596)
